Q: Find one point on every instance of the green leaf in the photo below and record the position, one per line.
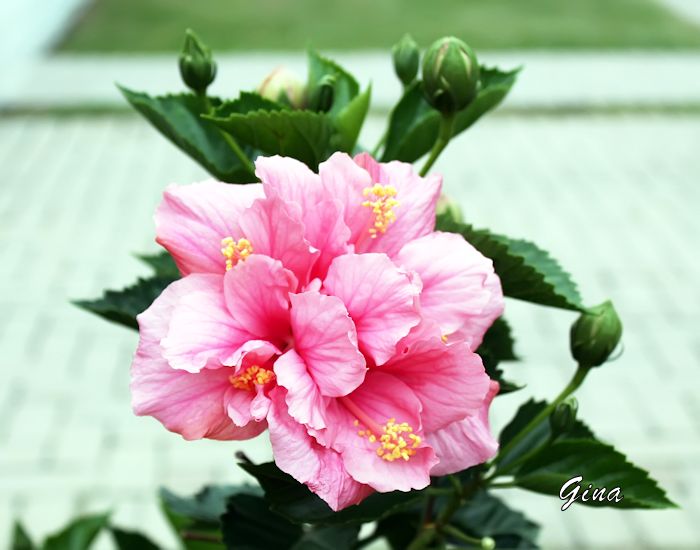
(78, 535)
(248, 524)
(414, 124)
(296, 502)
(346, 87)
(332, 537)
(21, 539)
(131, 540)
(526, 271)
(600, 465)
(399, 529)
(349, 121)
(178, 118)
(162, 264)
(304, 135)
(487, 516)
(122, 306)
(245, 103)
(497, 346)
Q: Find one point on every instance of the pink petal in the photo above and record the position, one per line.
(186, 403)
(275, 229)
(326, 341)
(466, 443)
(449, 380)
(380, 398)
(319, 468)
(461, 292)
(327, 232)
(191, 221)
(290, 180)
(257, 298)
(200, 329)
(380, 298)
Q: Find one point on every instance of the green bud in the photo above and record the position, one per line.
(595, 335)
(450, 75)
(322, 96)
(283, 86)
(446, 206)
(487, 543)
(406, 59)
(563, 417)
(197, 66)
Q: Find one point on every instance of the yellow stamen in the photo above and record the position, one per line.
(444, 338)
(380, 198)
(251, 377)
(235, 250)
(397, 441)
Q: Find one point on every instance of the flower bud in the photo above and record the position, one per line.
(447, 207)
(487, 543)
(563, 417)
(197, 66)
(450, 75)
(406, 58)
(283, 86)
(322, 96)
(595, 335)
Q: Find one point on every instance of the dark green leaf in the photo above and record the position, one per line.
(248, 524)
(297, 503)
(178, 118)
(78, 535)
(414, 125)
(346, 87)
(497, 346)
(131, 540)
(526, 271)
(600, 465)
(348, 122)
(21, 539)
(399, 529)
(331, 537)
(122, 306)
(304, 135)
(162, 264)
(487, 516)
(246, 103)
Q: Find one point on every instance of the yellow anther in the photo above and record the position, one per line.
(444, 338)
(380, 198)
(234, 251)
(251, 377)
(397, 441)
(356, 423)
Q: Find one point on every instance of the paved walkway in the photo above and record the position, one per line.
(615, 199)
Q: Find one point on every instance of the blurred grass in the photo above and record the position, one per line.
(158, 25)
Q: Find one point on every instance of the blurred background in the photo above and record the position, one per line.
(594, 156)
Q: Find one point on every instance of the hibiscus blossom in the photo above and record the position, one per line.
(326, 308)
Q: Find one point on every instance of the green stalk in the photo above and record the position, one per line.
(444, 135)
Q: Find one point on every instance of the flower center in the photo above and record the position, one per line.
(380, 198)
(251, 377)
(235, 250)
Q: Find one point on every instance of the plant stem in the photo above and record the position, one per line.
(444, 136)
(575, 382)
(460, 535)
(424, 538)
(200, 537)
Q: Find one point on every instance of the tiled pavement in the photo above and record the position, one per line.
(615, 199)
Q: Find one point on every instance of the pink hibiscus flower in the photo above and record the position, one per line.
(326, 308)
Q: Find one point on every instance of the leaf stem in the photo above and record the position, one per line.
(461, 535)
(444, 136)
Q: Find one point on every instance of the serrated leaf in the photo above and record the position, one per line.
(497, 346)
(179, 118)
(487, 516)
(122, 306)
(526, 271)
(245, 103)
(414, 124)
(349, 121)
(249, 524)
(346, 87)
(78, 535)
(297, 503)
(303, 135)
(21, 539)
(600, 465)
(131, 540)
(162, 264)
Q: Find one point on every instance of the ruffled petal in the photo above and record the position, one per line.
(290, 180)
(380, 298)
(461, 292)
(304, 400)
(191, 220)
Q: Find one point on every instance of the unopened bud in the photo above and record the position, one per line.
(283, 86)
(487, 543)
(595, 334)
(450, 75)
(406, 58)
(563, 417)
(322, 96)
(197, 66)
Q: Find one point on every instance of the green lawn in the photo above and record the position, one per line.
(157, 25)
